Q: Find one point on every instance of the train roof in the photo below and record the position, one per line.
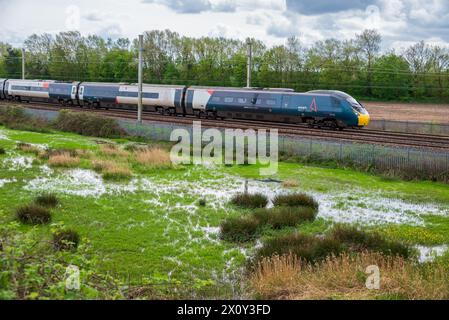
(243, 89)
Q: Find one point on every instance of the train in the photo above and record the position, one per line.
(320, 108)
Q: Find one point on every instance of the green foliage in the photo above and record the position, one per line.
(250, 201)
(239, 229)
(65, 240)
(33, 214)
(305, 247)
(88, 124)
(32, 269)
(282, 217)
(355, 66)
(2, 151)
(296, 199)
(355, 239)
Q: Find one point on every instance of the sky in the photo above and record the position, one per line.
(401, 22)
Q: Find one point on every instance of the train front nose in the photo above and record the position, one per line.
(364, 120)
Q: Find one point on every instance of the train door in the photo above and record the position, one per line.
(81, 95)
(73, 94)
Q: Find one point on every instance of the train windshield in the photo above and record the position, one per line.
(357, 106)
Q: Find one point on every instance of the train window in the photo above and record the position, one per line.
(242, 100)
(216, 99)
(271, 102)
(73, 90)
(229, 100)
(259, 102)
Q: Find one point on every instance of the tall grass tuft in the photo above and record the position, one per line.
(33, 214)
(47, 200)
(2, 151)
(239, 229)
(111, 150)
(154, 158)
(28, 148)
(282, 217)
(295, 200)
(250, 201)
(64, 160)
(111, 170)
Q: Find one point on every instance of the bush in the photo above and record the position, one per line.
(282, 217)
(239, 229)
(2, 151)
(17, 118)
(356, 240)
(33, 214)
(250, 201)
(47, 200)
(88, 124)
(66, 240)
(295, 200)
(304, 247)
(202, 202)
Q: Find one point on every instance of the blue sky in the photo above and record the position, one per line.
(401, 22)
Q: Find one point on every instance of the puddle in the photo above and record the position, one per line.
(18, 163)
(5, 181)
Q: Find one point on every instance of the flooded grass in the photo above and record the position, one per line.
(155, 225)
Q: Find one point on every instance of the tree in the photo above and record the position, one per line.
(369, 43)
(391, 77)
(13, 63)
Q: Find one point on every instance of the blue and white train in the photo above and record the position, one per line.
(323, 108)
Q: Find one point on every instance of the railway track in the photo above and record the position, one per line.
(387, 138)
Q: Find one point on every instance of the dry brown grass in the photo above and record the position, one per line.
(113, 151)
(65, 160)
(112, 170)
(290, 183)
(154, 158)
(345, 278)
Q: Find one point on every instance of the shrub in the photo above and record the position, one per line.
(16, 118)
(250, 201)
(154, 158)
(304, 247)
(239, 229)
(357, 240)
(296, 199)
(33, 214)
(282, 217)
(88, 124)
(2, 151)
(65, 240)
(343, 277)
(47, 200)
(63, 160)
(202, 202)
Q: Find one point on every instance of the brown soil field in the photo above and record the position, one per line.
(416, 112)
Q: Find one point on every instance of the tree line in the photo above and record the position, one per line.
(356, 66)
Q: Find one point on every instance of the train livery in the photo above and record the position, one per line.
(321, 108)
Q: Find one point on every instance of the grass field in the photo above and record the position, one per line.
(151, 227)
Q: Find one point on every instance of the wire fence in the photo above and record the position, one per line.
(408, 162)
(413, 163)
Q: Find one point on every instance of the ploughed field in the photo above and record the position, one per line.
(147, 222)
(414, 112)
